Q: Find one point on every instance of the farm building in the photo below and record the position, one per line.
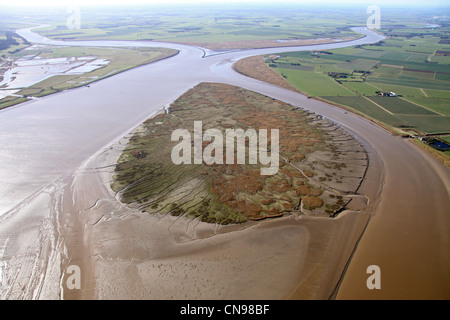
(442, 53)
(387, 94)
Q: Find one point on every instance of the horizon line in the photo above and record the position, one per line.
(115, 3)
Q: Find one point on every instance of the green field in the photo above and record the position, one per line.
(314, 83)
(361, 88)
(400, 106)
(193, 25)
(356, 77)
(13, 47)
(366, 107)
(441, 106)
(446, 139)
(203, 24)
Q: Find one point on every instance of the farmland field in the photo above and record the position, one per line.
(315, 84)
(361, 88)
(368, 108)
(215, 27)
(404, 65)
(400, 106)
(441, 106)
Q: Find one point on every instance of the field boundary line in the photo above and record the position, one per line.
(438, 113)
(372, 85)
(393, 66)
(379, 106)
(424, 93)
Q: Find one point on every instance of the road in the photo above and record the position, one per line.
(45, 140)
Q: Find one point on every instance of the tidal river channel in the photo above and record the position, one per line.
(45, 141)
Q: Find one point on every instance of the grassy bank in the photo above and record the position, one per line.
(119, 60)
(357, 77)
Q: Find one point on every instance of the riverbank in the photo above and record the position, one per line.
(54, 69)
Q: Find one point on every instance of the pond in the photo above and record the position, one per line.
(442, 146)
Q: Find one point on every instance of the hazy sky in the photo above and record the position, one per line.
(126, 2)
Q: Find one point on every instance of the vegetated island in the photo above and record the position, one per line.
(321, 166)
(58, 68)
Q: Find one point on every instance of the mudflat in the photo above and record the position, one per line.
(133, 253)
